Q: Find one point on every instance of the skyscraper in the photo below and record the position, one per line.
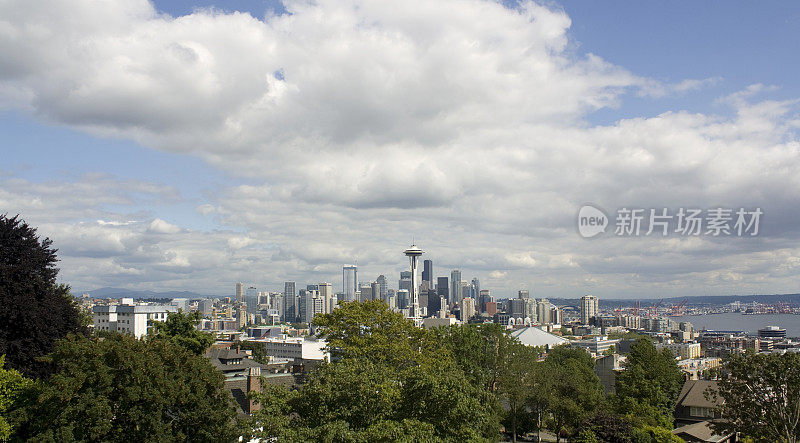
(588, 308)
(384, 287)
(455, 287)
(524, 293)
(239, 292)
(543, 312)
(251, 300)
(442, 288)
(350, 282)
(414, 253)
(405, 281)
(326, 294)
(365, 292)
(475, 289)
(290, 309)
(427, 272)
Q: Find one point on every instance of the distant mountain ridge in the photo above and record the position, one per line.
(132, 293)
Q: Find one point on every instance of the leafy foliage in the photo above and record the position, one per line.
(12, 385)
(649, 386)
(391, 382)
(181, 329)
(761, 396)
(371, 331)
(122, 389)
(573, 390)
(34, 310)
(519, 379)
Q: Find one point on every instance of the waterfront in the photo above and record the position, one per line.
(739, 322)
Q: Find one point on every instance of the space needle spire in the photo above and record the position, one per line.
(413, 253)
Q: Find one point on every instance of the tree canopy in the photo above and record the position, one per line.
(761, 396)
(648, 388)
(12, 386)
(391, 381)
(121, 389)
(181, 329)
(35, 311)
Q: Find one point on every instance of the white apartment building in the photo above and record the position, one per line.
(128, 318)
(293, 348)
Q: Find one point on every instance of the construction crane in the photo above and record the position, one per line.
(654, 308)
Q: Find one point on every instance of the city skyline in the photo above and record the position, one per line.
(184, 145)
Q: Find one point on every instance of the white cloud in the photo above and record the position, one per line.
(362, 124)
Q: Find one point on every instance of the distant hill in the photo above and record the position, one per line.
(793, 299)
(131, 293)
(606, 303)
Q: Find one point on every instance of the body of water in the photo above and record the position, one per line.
(739, 322)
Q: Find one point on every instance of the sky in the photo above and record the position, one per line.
(189, 145)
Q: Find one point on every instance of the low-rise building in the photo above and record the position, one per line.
(682, 351)
(129, 319)
(294, 348)
(596, 346)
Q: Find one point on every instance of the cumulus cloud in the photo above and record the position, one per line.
(362, 124)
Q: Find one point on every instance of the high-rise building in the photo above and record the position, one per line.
(290, 308)
(311, 304)
(427, 272)
(484, 297)
(239, 292)
(204, 306)
(524, 293)
(475, 289)
(543, 312)
(405, 281)
(326, 294)
(588, 308)
(556, 316)
(529, 309)
(384, 287)
(434, 302)
(402, 299)
(467, 309)
(376, 291)
(251, 300)
(350, 282)
(278, 306)
(414, 253)
(365, 292)
(443, 287)
(455, 287)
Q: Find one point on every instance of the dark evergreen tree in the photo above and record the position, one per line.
(119, 389)
(34, 310)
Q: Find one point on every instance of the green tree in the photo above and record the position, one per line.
(12, 385)
(477, 349)
(259, 350)
(761, 397)
(391, 381)
(181, 329)
(370, 330)
(573, 390)
(519, 377)
(649, 386)
(120, 389)
(34, 310)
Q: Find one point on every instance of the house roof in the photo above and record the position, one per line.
(533, 336)
(693, 394)
(700, 432)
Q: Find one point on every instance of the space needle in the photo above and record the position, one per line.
(413, 253)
